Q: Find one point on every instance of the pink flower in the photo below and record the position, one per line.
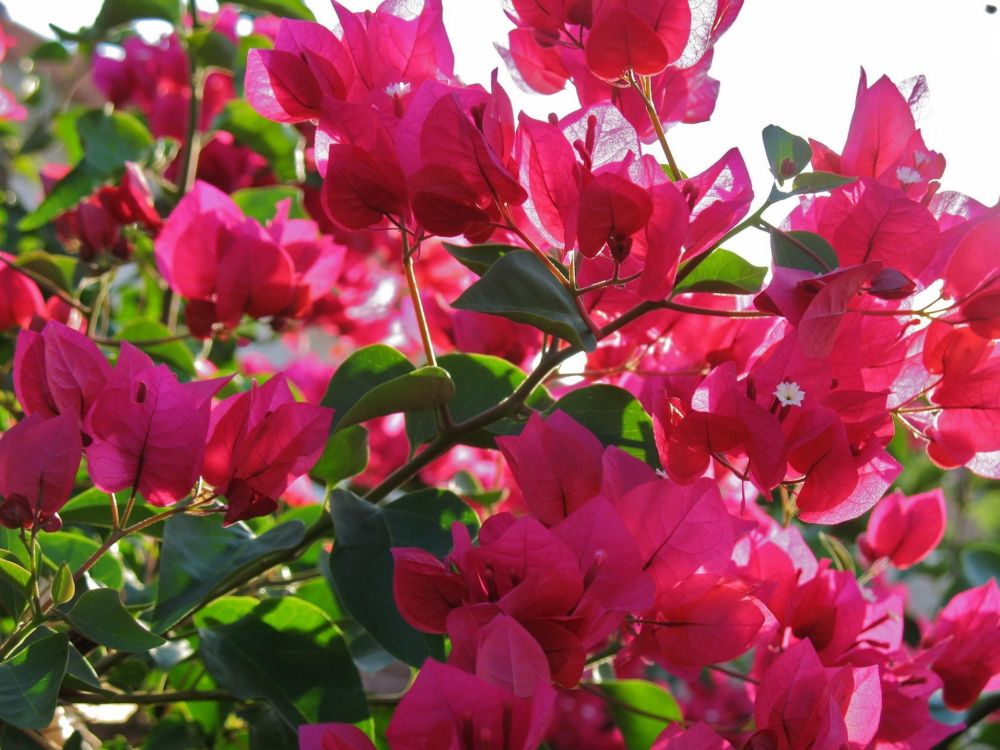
(259, 442)
(20, 299)
(449, 708)
(905, 529)
(58, 371)
(147, 431)
(964, 642)
(39, 459)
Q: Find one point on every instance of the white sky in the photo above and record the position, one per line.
(794, 63)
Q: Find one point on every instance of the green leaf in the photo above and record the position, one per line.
(172, 353)
(63, 585)
(92, 507)
(277, 142)
(14, 574)
(74, 550)
(287, 652)
(361, 563)
(786, 153)
(30, 680)
(478, 258)
(811, 182)
(282, 8)
(108, 140)
(723, 272)
(212, 49)
(51, 51)
(518, 286)
(59, 269)
(786, 252)
(261, 203)
(642, 710)
(117, 12)
(378, 380)
(100, 616)
(615, 416)
(199, 556)
(345, 455)
(981, 562)
(481, 381)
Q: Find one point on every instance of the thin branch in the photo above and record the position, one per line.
(47, 284)
(143, 699)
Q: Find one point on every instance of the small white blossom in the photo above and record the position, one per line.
(908, 175)
(397, 89)
(789, 394)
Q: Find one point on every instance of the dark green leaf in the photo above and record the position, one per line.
(100, 615)
(199, 556)
(981, 562)
(30, 680)
(261, 203)
(788, 251)
(287, 652)
(282, 8)
(117, 12)
(518, 286)
(378, 380)
(81, 181)
(51, 51)
(615, 416)
(361, 563)
(345, 455)
(478, 258)
(723, 272)
(642, 710)
(786, 153)
(277, 142)
(92, 507)
(481, 381)
(212, 49)
(811, 182)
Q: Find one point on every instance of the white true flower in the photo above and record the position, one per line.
(789, 394)
(397, 89)
(908, 175)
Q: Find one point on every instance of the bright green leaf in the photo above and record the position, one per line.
(345, 455)
(100, 616)
(14, 573)
(261, 203)
(287, 652)
(75, 549)
(642, 710)
(173, 353)
(615, 416)
(723, 272)
(519, 287)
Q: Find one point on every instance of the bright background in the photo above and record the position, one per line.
(794, 63)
